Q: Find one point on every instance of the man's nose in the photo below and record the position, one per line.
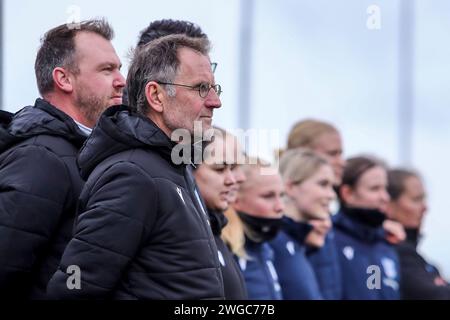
(212, 99)
(119, 81)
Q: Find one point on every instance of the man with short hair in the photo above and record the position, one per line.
(141, 233)
(165, 27)
(78, 77)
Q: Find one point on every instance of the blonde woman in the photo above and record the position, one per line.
(255, 221)
(325, 139)
(308, 180)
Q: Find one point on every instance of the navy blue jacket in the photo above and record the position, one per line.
(325, 264)
(140, 233)
(369, 265)
(259, 272)
(296, 276)
(39, 188)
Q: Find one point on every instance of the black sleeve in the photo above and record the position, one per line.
(34, 184)
(119, 207)
(416, 281)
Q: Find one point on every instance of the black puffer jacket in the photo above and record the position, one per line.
(39, 187)
(140, 233)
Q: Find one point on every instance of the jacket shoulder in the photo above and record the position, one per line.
(55, 144)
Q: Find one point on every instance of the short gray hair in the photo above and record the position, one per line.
(158, 61)
(58, 50)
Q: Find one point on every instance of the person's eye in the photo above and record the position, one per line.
(334, 153)
(219, 168)
(107, 68)
(323, 183)
(203, 88)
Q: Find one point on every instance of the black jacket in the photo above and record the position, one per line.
(417, 275)
(39, 187)
(140, 232)
(233, 279)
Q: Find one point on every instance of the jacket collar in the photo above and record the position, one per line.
(413, 236)
(218, 221)
(357, 228)
(296, 230)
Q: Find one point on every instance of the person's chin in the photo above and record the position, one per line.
(320, 213)
(316, 242)
(320, 243)
(223, 205)
(232, 195)
(206, 122)
(116, 101)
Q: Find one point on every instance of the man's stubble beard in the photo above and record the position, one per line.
(91, 106)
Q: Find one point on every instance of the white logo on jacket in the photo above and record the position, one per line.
(180, 194)
(348, 252)
(389, 267)
(390, 272)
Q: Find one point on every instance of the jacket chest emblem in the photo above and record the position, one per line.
(348, 252)
(389, 267)
(180, 194)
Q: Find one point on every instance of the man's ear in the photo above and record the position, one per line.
(155, 96)
(62, 79)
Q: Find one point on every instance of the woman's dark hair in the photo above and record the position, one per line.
(355, 167)
(396, 181)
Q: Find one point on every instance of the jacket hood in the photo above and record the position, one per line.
(120, 129)
(42, 118)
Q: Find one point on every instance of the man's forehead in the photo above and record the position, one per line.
(89, 44)
(186, 52)
(87, 38)
(194, 63)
